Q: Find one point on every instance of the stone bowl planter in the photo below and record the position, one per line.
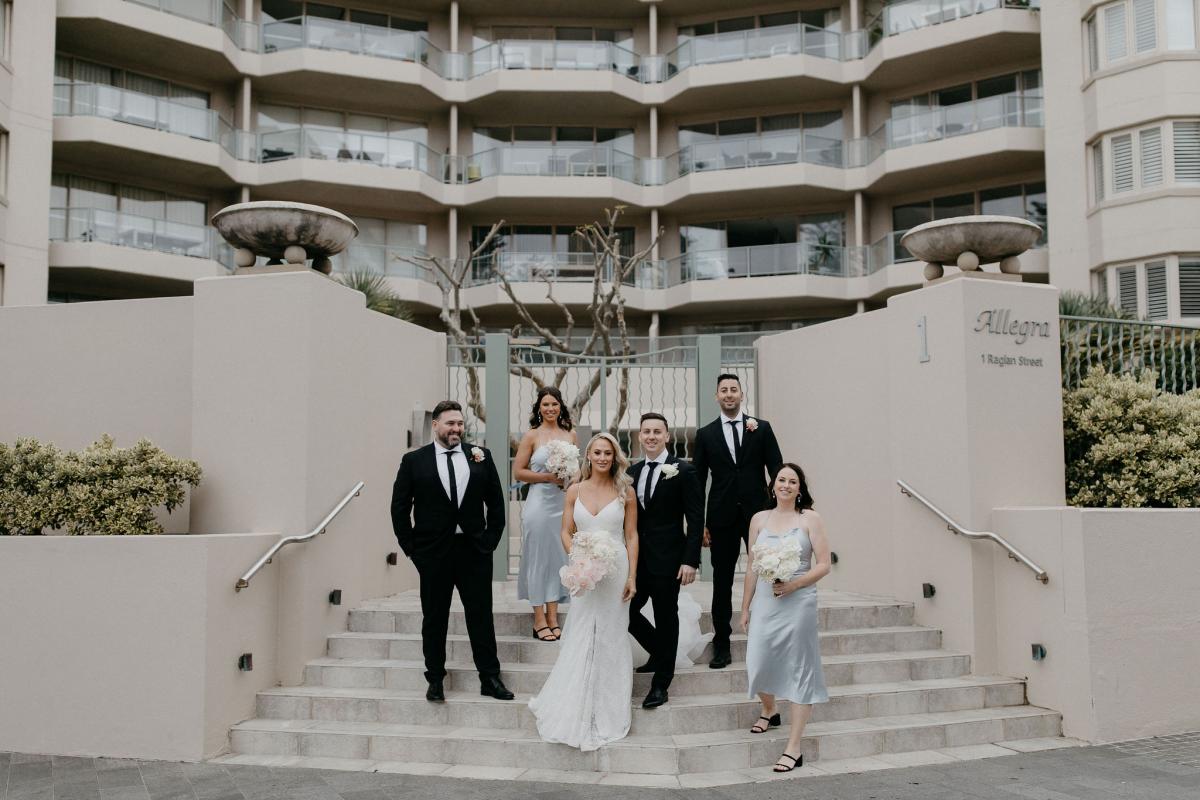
(282, 231)
(967, 242)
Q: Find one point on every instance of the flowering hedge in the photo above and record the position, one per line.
(102, 490)
(1131, 445)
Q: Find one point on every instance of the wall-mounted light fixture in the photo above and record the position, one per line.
(928, 590)
(246, 662)
(1039, 652)
(335, 597)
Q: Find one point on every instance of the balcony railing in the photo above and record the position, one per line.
(781, 40)
(218, 13)
(908, 15)
(525, 267)
(98, 100)
(784, 147)
(82, 224)
(382, 259)
(353, 37)
(327, 144)
(796, 258)
(1000, 111)
(535, 54)
(553, 160)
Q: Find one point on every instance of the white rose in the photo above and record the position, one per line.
(477, 454)
(669, 471)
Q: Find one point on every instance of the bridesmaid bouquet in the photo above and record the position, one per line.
(562, 459)
(777, 562)
(592, 557)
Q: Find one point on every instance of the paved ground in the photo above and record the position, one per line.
(1152, 769)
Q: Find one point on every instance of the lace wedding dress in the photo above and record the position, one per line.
(586, 700)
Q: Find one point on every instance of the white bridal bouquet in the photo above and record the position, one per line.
(592, 557)
(562, 459)
(777, 562)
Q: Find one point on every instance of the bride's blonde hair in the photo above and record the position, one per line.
(620, 464)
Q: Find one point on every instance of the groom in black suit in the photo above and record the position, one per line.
(668, 495)
(741, 454)
(438, 513)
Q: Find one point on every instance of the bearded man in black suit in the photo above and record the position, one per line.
(741, 454)
(448, 511)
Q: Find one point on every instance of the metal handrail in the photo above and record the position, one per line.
(244, 581)
(955, 528)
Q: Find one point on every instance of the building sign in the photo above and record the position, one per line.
(1000, 322)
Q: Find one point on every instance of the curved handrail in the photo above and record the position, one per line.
(244, 581)
(955, 528)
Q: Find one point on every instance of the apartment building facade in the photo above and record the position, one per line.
(781, 148)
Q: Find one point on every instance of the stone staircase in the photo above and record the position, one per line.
(893, 691)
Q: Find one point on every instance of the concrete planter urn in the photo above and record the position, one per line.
(284, 232)
(968, 242)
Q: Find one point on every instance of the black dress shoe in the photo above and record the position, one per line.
(720, 659)
(644, 668)
(492, 687)
(435, 693)
(656, 698)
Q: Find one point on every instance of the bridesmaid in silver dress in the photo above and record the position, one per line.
(542, 553)
(783, 653)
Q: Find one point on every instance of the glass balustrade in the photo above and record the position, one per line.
(353, 37)
(799, 258)
(145, 233)
(148, 111)
(1001, 111)
(542, 55)
(390, 260)
(330, 144)
(520, 267)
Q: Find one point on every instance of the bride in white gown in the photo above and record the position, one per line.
(586, 700)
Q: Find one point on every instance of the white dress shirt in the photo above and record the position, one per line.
(643, 490)
(462, 471)
(728, 431)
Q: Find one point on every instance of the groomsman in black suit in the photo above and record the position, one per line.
(448, 510)
(668, 495)
(741, 454)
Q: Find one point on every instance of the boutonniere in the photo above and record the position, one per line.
(751, 424)
(669, 471)
(477, 455)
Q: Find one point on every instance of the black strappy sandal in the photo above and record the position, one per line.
(772, 722)
(797, 761)
(557, 631)
(536, 631)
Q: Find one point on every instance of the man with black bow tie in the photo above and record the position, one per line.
(448, 510)
(668, 495)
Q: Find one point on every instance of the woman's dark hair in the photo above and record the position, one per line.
(804, 500)
(564, 414)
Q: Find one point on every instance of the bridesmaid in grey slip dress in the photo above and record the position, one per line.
(783, 653)
(542, 553)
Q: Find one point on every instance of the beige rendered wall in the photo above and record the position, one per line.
(70, 373)
(825, 390)
(146, 633)
(26, 113)
(300, 392)
(1119, 617)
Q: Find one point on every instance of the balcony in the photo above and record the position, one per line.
(329, 144)
(757, 43)
(522, 54)
(538, 267)
(768, 260)
(554, 160)
(218, 13)
(1001, 111)
(148, 111)
(763, 150)
(911, 15)
(120, 229)
(380, 259)
(360, 39)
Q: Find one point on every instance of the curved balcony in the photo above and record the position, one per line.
(114, 241)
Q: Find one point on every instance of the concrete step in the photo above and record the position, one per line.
(402, 614)
(697, 679)
(641, 753)
(527, 650)
(683, 714)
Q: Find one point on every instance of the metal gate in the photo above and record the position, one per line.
(497, 382)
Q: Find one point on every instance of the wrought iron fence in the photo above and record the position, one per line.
(1121, 347)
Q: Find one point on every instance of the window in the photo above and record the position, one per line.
(1127, 297)
(1150, 143)
(70, 68)
(829, 19)
(276, 10)
(3, 163)
(5, 27)
(1187, 151)
(1026, 200)
(1114, 29)
(1189, 288)
(1098, 169)
(1156, 290)
(1093, 44)
(488, 137)
(1145, 34)
(1122, 157)
(1181, 25)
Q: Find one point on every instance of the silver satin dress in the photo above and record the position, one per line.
(783, 652)
(542, 553)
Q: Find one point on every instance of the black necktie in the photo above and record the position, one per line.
(453, 477)
(650, 465)
(737, 441)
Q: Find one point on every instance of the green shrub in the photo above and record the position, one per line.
(102, 490)
(1131, 445)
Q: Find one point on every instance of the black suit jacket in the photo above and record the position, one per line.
(739, 491)
(425, 519)
(663, 544)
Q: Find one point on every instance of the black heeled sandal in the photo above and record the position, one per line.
(797, 761)
(772, 722)
(536, 631)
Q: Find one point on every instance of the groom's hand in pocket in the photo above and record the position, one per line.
(686, 575)
(707, 542)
